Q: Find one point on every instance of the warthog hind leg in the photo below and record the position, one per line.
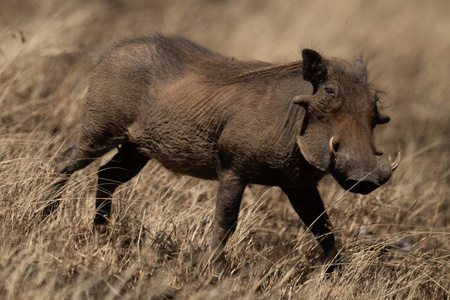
(74, 159)
(121, 168)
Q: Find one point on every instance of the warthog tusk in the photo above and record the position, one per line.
(396, 162)
(331, 150)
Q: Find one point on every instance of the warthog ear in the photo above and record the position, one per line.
(314, 69)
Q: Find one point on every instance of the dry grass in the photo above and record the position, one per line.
(395, 242)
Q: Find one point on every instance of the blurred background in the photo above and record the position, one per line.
(48, 49)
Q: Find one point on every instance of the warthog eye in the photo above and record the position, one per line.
(330, 91)
(329, 95)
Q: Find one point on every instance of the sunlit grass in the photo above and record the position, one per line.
(394, 243)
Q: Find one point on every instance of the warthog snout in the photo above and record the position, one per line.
(360, 173)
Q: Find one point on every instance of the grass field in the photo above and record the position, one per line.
(395, 242)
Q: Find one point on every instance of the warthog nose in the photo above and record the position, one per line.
(360, 186)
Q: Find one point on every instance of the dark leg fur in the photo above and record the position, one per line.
(75, 159)
(309, 206)
(121, 168)
(228, 204)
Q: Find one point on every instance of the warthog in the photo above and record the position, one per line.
(214, 117)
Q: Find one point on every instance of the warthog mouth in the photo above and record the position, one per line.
(360, 186)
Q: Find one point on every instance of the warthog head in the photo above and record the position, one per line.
(339, 118)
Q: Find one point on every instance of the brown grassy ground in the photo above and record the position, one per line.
(395, 242)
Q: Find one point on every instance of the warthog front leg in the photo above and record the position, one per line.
(229, 196)
(309, 207)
